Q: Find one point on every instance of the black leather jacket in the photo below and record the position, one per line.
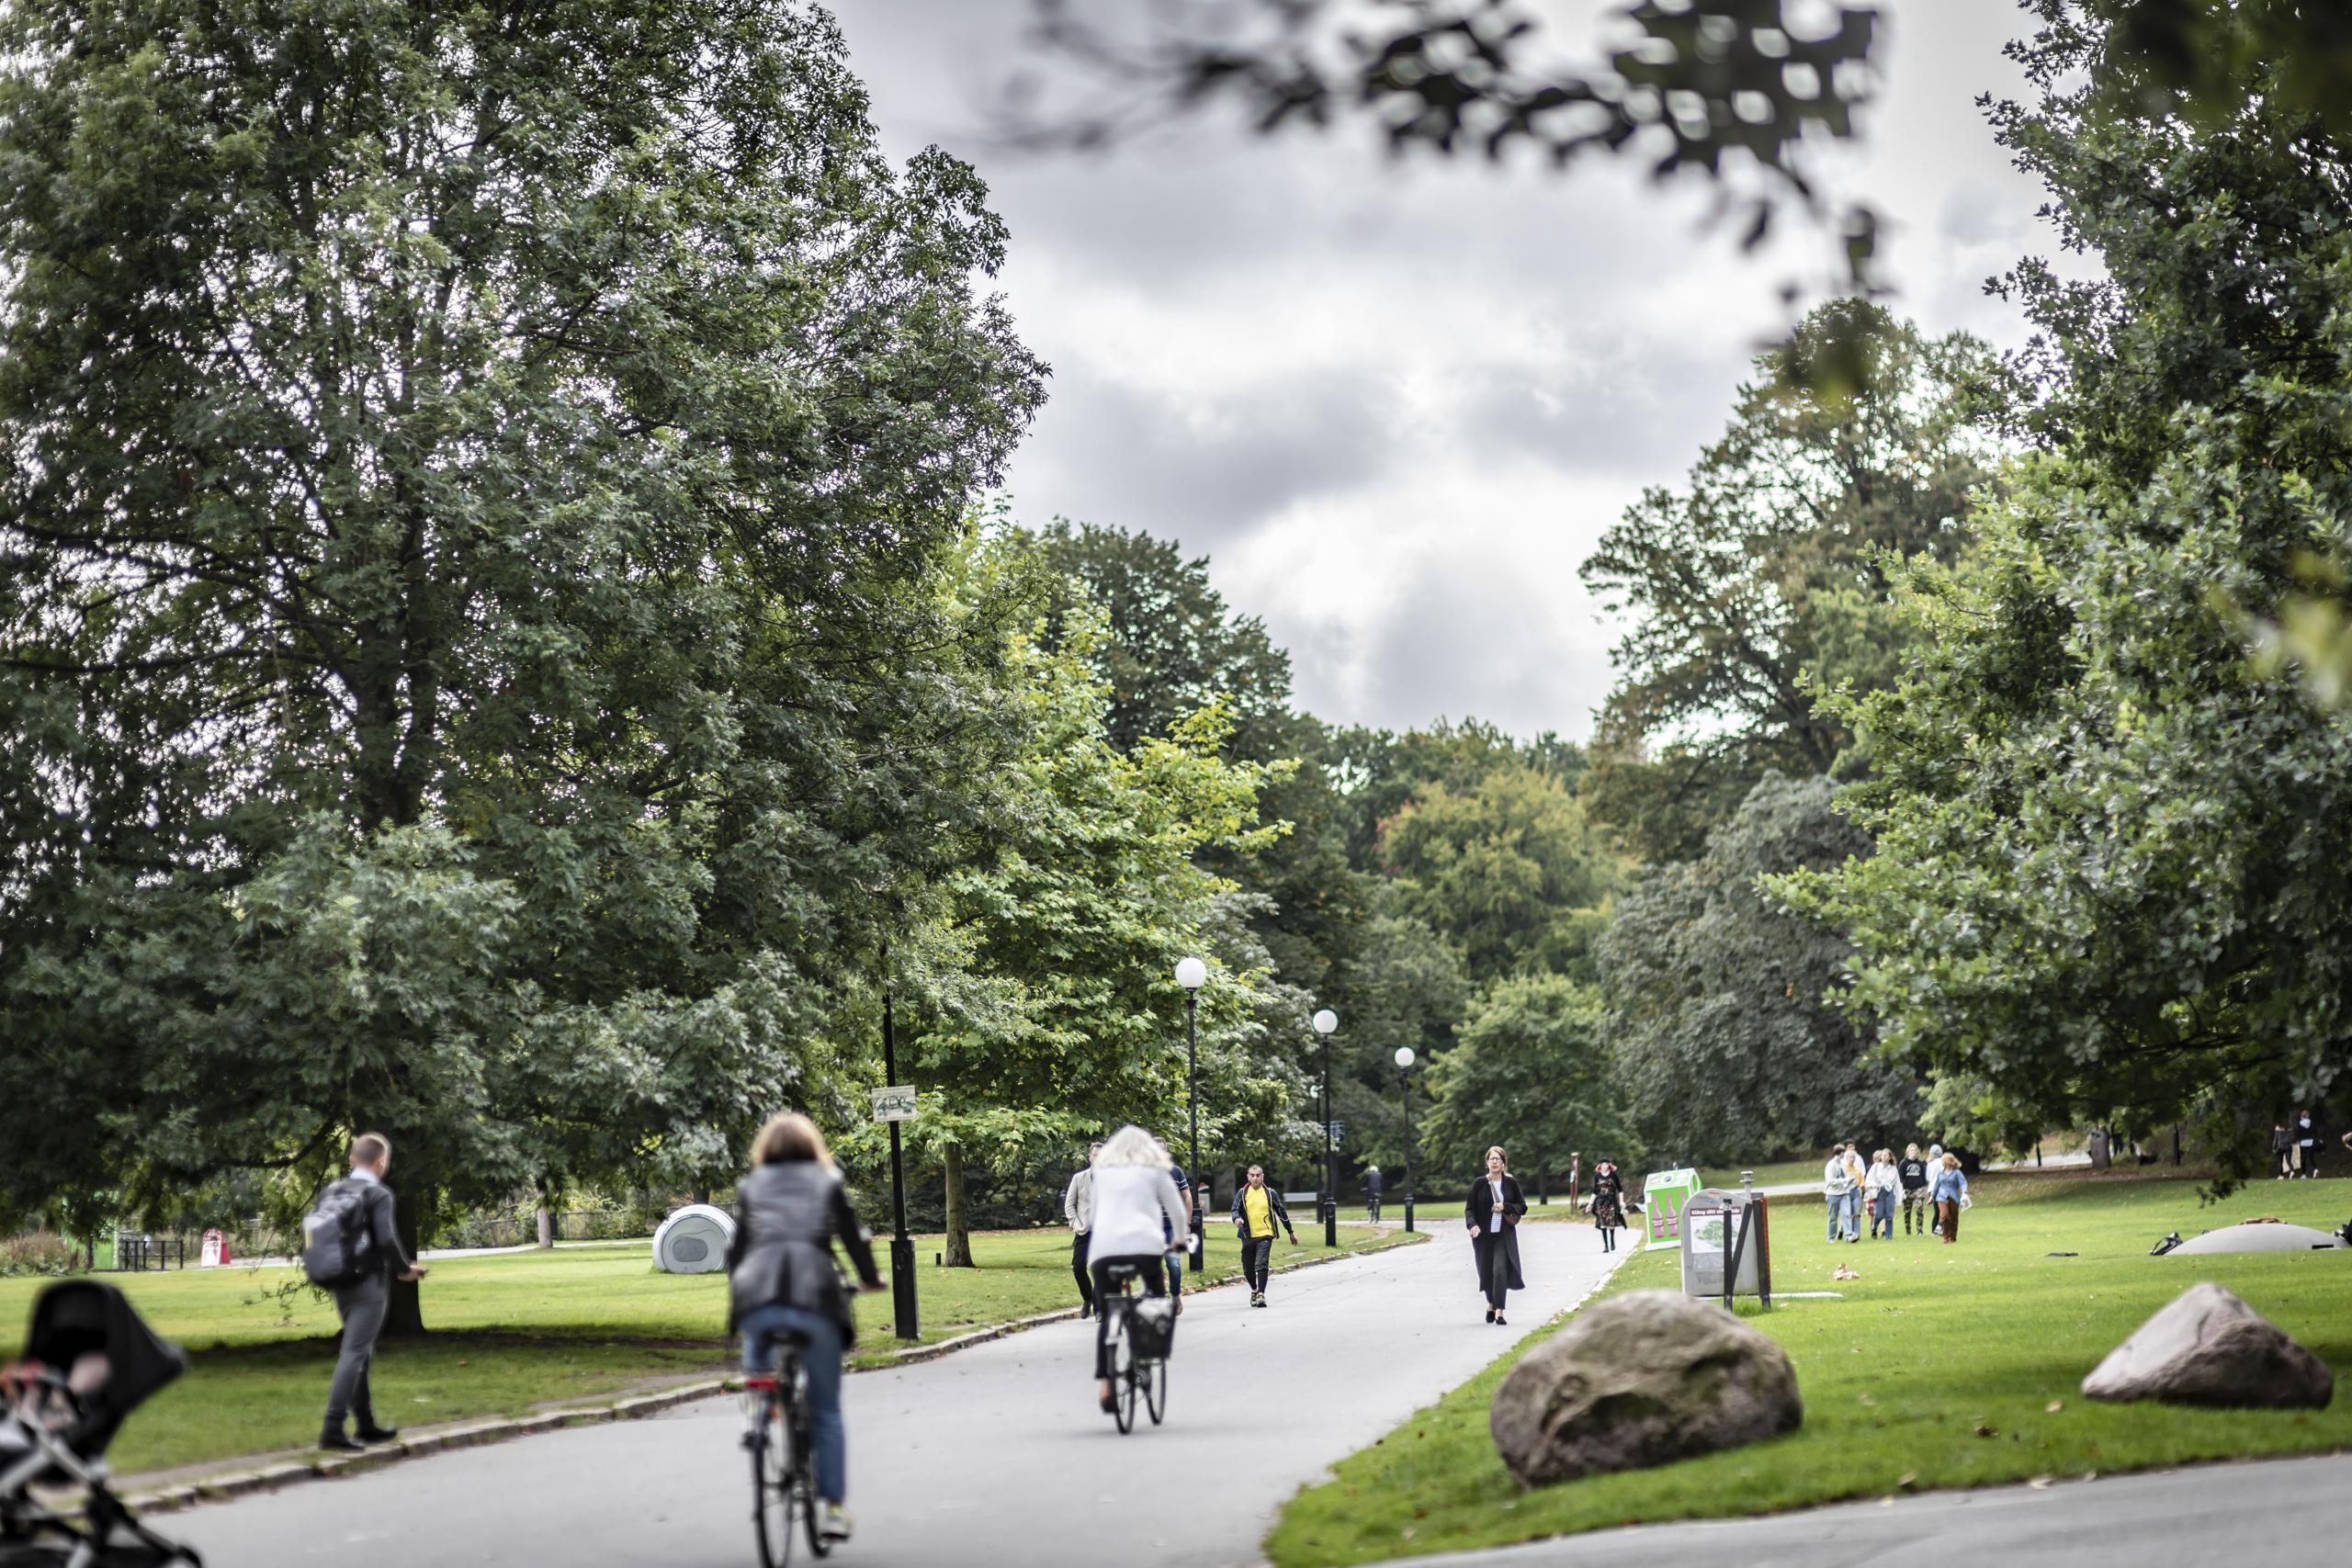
(787, 1217)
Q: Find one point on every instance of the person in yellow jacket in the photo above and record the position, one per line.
(1258, 1214)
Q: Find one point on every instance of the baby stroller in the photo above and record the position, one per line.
(89, 1363)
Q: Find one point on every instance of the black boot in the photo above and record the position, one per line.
(369, 1432)
(332, 1438)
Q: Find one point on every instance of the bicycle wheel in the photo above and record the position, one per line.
(1155, 1389)
(1123, 1376)
(772, 1475)
(804, 1470)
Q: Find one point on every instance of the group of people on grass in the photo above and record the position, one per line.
(1930, 1189)
(2294, 1147)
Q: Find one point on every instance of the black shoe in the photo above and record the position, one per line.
(1490, 1314)
(334, 1441)
(371, 1433)
(1085, 1311)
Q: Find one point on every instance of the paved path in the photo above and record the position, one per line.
(992, 1455)
(2213, 1517)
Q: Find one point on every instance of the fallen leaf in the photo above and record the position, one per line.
(2054, 1406)
(1987, 1429)
(1906, 1480)
(2040, 1484)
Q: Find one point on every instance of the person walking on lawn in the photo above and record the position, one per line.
(1372, 1183)
(1837, 1186)
(2306, 1135)
(1078, 1207)
(1608, 1204)
(1492, 1213)
(1882, 1181)
(1952, 1191)
(361, 1302)
(1913, 1172)
(1257, 1213)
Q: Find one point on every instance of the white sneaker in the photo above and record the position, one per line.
(832, 1522)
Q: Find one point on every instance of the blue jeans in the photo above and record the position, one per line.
(822, 1357)
(1836, 1212)
(1854, 1214)
(1883, 1214)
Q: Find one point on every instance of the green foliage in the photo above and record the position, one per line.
(483, 590)
(1508, 872)
(39, 1255)
(1531, 1070)
(2109, 850)
(1763, 578)
(1720, 997)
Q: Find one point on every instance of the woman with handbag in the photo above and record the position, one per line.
(1608, 1204)
(1492, 1213)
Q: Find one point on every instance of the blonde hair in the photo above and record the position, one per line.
(1132, 1145)
(1496, 1152)
(1952, 1162)
(369, 1148)
(790, 1137)
(1910, 1151)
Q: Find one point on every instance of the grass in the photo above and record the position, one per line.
(1941, 1367)
(512, 1332)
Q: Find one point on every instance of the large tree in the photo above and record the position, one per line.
(475, 479)
(1534, 1071)
(1720, 996)
(2109, 883)
(1763, 578)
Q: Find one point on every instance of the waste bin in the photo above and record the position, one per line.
(1663, 1195)
(1726, 1250)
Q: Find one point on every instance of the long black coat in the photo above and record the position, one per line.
(1495, 1249)
(1609, 1201)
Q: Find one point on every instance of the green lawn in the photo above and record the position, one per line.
(1940, 1367)
(516, 1331)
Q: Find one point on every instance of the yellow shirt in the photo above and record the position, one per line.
(1255, 1209)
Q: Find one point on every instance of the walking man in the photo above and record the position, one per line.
(1078, 1208)
(2306, 1145)
(362, 1300)
(1371, 1185)
(1835, 1186)
(1258, 1211)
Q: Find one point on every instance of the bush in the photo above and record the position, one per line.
(41, 1253)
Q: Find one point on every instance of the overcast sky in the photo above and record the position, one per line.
(1396, 403)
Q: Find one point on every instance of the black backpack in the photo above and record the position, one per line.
(337, 1246)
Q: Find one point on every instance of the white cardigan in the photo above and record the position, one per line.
(1130, 1200)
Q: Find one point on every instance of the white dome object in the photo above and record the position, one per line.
(1325, 1021)
(1191, 974)
(693, 1240)
(2258, 1237)
(1404, 1055)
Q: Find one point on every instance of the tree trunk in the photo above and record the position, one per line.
(405, 1317)
(959, 1225)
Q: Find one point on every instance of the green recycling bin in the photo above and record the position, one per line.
(1663, 1196)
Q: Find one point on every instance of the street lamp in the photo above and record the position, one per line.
(1405, 1082)
(1191, 974)
(1325, 1023)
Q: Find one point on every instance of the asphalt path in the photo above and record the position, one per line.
(2208, 1518)
(996, 1454)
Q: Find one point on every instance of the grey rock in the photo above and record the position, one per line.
(2209, 1348)
(1641, 1380)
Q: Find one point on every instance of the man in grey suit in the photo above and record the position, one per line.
(362, 1301)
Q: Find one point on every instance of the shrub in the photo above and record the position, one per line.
(39, 1253)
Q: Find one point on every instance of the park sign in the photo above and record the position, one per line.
(1663, 1196)
(895, 1103)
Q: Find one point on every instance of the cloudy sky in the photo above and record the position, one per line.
(1396, 403)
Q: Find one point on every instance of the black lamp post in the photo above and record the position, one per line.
(903, 1246)
(1405, 1082)
(1325, 1023)
(1191, 974)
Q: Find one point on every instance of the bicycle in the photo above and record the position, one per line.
(1133, 1373)
(783, 1454)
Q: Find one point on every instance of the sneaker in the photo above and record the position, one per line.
(832, 1522)
(1179, 1311)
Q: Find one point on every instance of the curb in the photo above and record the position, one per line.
(232, 1484)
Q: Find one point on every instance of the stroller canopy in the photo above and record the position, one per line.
(77, 1317)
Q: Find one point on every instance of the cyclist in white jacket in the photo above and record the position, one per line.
(1133, 1192)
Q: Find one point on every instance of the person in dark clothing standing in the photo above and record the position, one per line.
(1608, 1204)
(1912, 1170)
(1257, 1213)
(1492, 1213)
(1372, 1183)
(362, 1301)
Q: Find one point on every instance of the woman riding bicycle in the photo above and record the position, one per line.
(1134, 1193)
(788, 1212)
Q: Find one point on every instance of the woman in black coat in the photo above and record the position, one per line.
(1608, 1204)
(1492, 1213)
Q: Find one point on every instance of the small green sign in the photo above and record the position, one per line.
(1663, 1196)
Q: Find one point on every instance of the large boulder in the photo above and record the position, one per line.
(2210, 1348)
(1640, 1380)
